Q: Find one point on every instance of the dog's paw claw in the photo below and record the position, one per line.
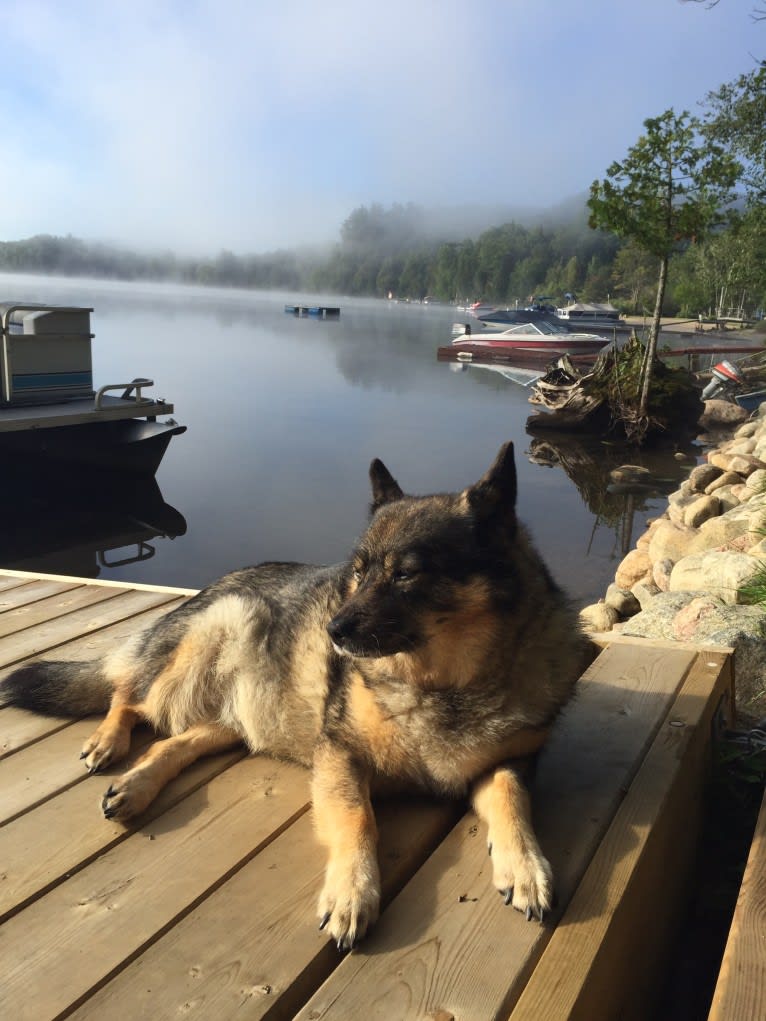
(525, 881)
(349, 904)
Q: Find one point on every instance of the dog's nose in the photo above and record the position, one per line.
(336, 631)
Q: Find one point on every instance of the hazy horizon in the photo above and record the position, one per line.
(234, 125)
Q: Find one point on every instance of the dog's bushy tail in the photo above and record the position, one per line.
(58, 687)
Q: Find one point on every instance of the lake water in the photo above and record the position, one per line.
(284, 416)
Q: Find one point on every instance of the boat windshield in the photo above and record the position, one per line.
(541, 327)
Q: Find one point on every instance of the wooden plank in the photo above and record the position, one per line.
(114, 605)
(60, 948)
(19, 728)
(8, 582)
(48, 844)
(11, 577)
(604, 958)
(457, 928)
(741, 988)
(20, 595)
(54, 606)
(254, 945)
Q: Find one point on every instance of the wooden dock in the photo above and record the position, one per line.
(206, 907)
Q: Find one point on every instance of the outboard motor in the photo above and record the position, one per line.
(726, 378)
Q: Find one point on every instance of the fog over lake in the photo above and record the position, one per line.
(284, 416)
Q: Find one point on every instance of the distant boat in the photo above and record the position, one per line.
(540, 336)
(49, 410)
(574, 317)
(589, 315)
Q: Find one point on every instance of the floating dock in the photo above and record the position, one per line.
(316, 311)
(206, 906)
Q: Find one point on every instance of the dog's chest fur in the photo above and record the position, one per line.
(438, 740)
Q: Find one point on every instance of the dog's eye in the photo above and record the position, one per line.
(402, 575)
(357, 574)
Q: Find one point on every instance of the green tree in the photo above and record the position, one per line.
(633, 273)
(669, 190)
(737, 119)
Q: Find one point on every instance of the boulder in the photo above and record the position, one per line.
(701, 477)
(634, 567)
(671, 541)
(718, 413)
(656, 619)
(700, 510)
(621, 600)
(718, 573)
(645, 591)
(598, 617)
(687, 621)
(723, 479)
(661, 572)
(757, 480)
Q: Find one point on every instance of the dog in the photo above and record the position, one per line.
(434, 660)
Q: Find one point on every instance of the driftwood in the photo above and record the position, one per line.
(566, 394)
(606, 397)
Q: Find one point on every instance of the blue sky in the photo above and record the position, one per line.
(198, 125)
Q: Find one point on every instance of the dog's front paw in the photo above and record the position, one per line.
(525, 880)
(350, 901)
(105, 747)
(128, 795)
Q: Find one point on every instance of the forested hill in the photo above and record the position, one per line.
(409, 253)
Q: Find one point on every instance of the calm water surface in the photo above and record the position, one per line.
(284, 416)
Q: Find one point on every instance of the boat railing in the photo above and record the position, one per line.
(127, 392)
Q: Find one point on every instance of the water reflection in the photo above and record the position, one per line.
(57, 524)
(590, 463)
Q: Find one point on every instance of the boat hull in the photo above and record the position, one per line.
(559, 346)
(127, 447)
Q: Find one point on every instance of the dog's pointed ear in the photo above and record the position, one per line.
(385, 488)
(493, 497)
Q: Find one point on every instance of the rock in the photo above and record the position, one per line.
(671, 541)
(742, 445)
(702, 476)
(679, 501)
(745, 464)
(656, 619)
(700, 510)
(718, 413)
(635, 566)
(687, 620)
(621, 600)
(661, 574)
(631, 473)
(598, 617)
(747, 429)
(742, 492)
(726, 498)
(718, 532)
(717, 573)
(645, 591)
(757, 480)
(758, 549)
(723, 479)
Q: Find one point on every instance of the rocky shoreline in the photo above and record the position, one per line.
(687, 577)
